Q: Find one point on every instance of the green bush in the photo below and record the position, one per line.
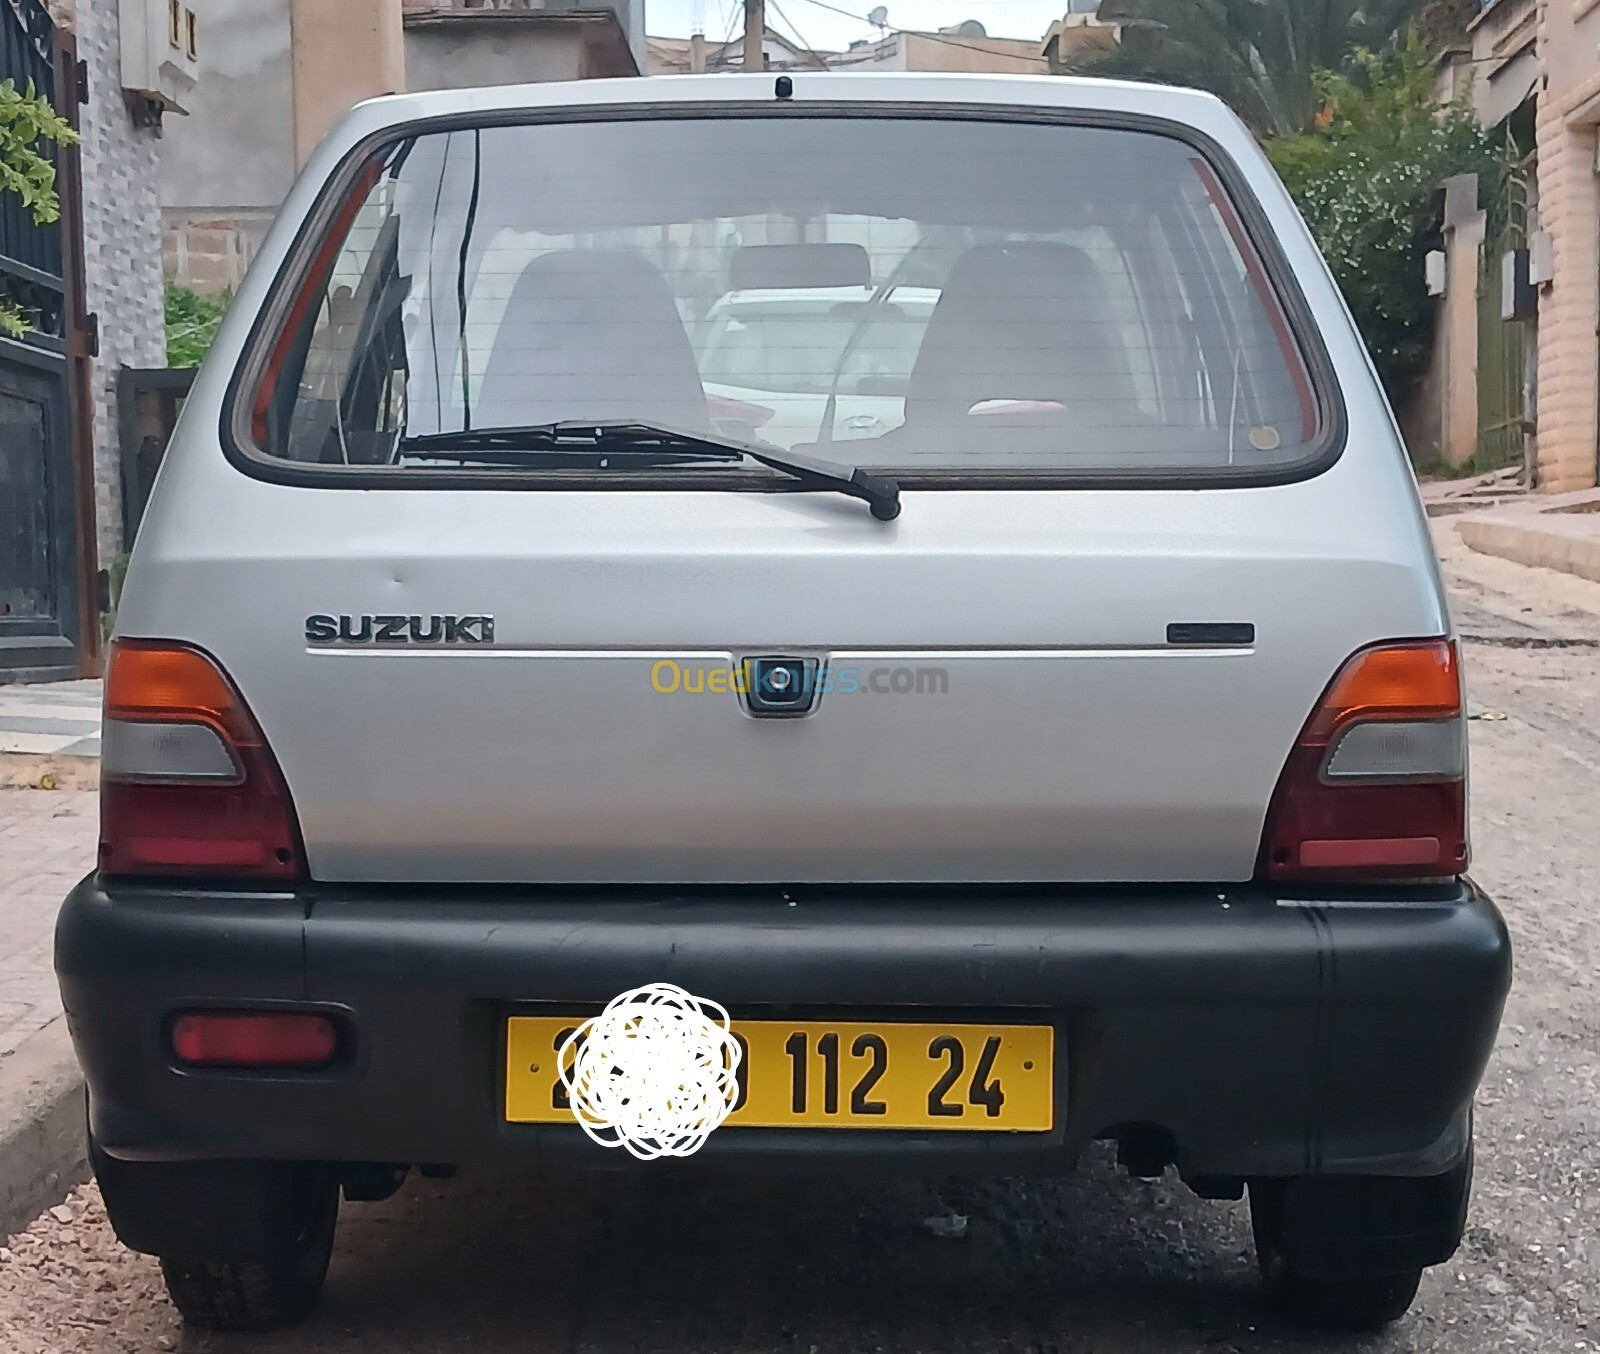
(1367, 179)
(27, 123)
(1260, 56)
(192, 322)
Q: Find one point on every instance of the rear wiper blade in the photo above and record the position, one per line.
(562, 457)
(653, 440)
(556, 445)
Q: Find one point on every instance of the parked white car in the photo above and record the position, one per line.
(790, 354)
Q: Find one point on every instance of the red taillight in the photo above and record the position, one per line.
(259, 1039)
(188, 784)
(1375, 786)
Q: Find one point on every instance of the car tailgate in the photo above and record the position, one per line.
(1038, 722)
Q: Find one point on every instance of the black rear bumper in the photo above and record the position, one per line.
(1258, 1036)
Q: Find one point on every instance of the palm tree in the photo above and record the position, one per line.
(1261, 56)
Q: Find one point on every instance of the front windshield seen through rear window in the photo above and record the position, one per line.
(938, 295)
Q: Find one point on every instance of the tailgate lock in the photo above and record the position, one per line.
(779, 687)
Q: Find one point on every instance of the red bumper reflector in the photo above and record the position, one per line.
(182, 853)
(1369, 853)
(254, 1039)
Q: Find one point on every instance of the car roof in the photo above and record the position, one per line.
(1185, 106)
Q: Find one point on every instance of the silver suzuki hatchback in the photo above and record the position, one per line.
(1055, 735)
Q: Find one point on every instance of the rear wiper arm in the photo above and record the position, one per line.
(625, 438)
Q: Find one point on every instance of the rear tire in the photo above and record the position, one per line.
(243, 1245)
(1342, 1303)
(276, 1290)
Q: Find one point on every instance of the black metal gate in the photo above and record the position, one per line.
(48, 625)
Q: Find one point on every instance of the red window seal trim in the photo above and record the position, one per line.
(1269, 299)
(311, 288)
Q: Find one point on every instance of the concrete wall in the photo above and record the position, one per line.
(886, 54)
(235, 148)
(227, 166)
(457, 56)
(122, 247)
(925, 52)
(946, 52)
(275, 75)
(1457, 332)
(1571, 32)
(629, 15)
(1503, 60)
(631, 12)
(1422, 418)
(344, 51)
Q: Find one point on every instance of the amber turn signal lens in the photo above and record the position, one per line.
(148, 681)
(1395, 682)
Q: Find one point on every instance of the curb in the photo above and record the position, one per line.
(48, 771)
(41, 1126)
(1532, 543)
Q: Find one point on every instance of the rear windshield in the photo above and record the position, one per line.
(944, 297)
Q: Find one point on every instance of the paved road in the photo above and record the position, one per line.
(680, 1266)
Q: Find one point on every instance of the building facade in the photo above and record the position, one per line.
(121, 242)
(227, 166)
(279, 73)
(697, 55)
(1078, 31)
(962, 47)
(1531, 69)
(1567, 431)
(609, 21)
(454, 48)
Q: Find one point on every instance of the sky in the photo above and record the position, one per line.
(820, 27)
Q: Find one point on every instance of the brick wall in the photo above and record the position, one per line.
(122, 247)
(1569, 351)
(209, 251)
(1569, 211)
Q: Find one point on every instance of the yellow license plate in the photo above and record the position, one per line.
(837, 1074)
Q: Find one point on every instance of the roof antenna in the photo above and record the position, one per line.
(783, 87)
(879, 18)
